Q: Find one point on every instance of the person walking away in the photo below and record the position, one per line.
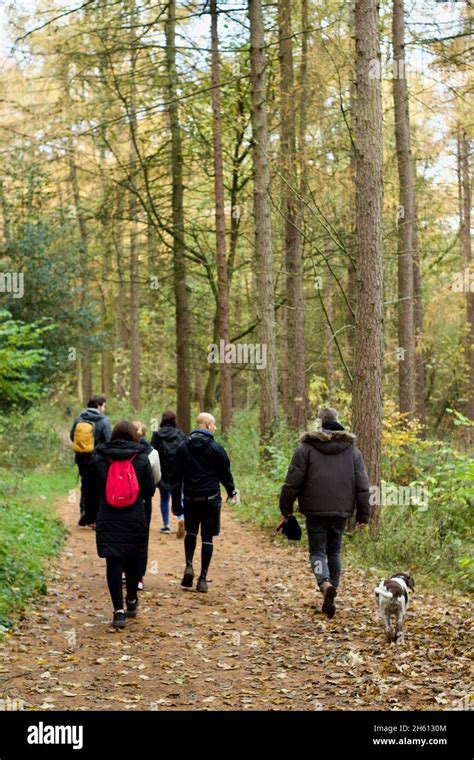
(200, 466)
(90, 428)
(166, 441)
(154, 458)
(327, 475)
(122, 474)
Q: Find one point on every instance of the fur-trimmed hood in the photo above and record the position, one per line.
(329, 441)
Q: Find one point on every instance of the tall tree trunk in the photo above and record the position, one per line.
(351, 266)
(4, 205)
(109, 321)
(406, 218)
(367, 393)
(329, 340)
(183, 379)
(213, 372)
(85, 364)
(292, 225)
(221, 248)
(467, 263)
(134, 234)
(263, 223)
(420, 374)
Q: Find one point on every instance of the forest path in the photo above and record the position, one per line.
(256, 641)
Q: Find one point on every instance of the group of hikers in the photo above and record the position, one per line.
(120, 472)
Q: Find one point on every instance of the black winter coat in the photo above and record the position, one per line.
(166, 441)
(120, 531)
(200, 466)
(327, 474)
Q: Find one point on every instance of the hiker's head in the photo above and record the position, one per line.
(206, 421)
(125, 431)
(326, 414)
(97, 402)
(140, 428)
(169, 418)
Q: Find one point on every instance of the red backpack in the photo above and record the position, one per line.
(121, 489)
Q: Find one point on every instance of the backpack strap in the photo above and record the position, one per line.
(117, 460)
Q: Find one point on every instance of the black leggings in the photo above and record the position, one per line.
(131, 566)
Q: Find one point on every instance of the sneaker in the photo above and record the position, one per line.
(188, 576)
(120, 620)
(329, 608)
(132, 608)
(180, 533)
(141, 585)
(124, 578)
(202, 585)
(165, 529)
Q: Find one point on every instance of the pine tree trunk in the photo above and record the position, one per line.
(134, 235)
(367, 393)
(183, 378)
(263, 223)
(4, 205)
(420, 374)
(108, 320)
(85, 364)
(292, 226)
(221, 247)
(351, 267)
(406, 219)
(467, 262)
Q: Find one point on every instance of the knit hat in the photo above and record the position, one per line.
(327, 414)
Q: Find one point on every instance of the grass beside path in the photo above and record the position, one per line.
(30, 534)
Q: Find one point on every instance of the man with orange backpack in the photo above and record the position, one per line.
(89, 429)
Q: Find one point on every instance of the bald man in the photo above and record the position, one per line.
(200, 466)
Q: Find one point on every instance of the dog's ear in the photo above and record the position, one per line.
(410, 582)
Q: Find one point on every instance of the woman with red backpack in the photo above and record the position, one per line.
(123, 477)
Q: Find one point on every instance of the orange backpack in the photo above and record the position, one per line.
(84, 440)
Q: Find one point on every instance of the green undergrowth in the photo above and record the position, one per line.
(35, 470)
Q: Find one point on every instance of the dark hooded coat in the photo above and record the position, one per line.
(121, 531)
(327, 475)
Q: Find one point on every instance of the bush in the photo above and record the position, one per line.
(30, 534)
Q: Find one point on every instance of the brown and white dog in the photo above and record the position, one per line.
(392, 601)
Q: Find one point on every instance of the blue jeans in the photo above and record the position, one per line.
(325, 547)
(165, 495)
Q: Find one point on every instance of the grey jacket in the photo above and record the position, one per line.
(102, 428)
(327, 475)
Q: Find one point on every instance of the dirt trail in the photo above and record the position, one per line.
(256, 641)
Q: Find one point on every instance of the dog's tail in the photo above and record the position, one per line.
(382, 591)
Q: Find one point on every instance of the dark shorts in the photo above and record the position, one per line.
(205, 514)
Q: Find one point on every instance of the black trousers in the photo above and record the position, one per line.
(131, 566)
(83, 461)
(144, 561)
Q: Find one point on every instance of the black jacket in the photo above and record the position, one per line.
(166, 441)
(102, 428)
(120, 531)
(327, 475)
(200, 466)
